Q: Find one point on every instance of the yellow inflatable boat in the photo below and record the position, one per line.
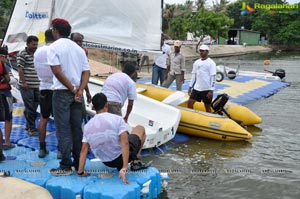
(202, 124)
(236, 112)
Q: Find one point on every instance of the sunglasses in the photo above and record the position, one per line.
(5, 56)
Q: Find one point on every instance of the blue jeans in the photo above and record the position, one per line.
(31, 98)
(158, 73)
(68, 118)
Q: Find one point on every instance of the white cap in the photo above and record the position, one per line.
(204, 47)
(177, 43)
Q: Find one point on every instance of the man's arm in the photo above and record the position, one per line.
(6, 77)
(56, 70)
(88, 94)
(82, 159)
(182, 66)
(85, 75)
(125, 156)
(129, 109)
(22, 78)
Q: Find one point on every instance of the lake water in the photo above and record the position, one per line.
(266, 168)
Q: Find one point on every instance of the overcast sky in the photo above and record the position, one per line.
(210, 1)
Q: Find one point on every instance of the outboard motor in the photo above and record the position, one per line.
(280, 73)
(218, 106)
(219, 103)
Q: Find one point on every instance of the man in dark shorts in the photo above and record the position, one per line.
(46, 81)
(203, 80)
(107, 136)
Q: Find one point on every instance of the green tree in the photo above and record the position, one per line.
(200, 4)
(220, 6)
(6, 7)
(234, 11)
(179, 28)
(211, 23)
(280, 28)
(168, 15)
(288, 35)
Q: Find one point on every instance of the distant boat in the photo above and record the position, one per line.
(225, 71)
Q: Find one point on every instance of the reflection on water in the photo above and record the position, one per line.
(254, 130)
(268, 167)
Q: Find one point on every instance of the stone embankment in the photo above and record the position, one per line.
(189, 51)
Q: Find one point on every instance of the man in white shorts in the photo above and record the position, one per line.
(107, 136)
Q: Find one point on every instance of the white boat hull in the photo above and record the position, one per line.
(160, 120)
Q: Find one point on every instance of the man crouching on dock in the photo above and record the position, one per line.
(107, 136)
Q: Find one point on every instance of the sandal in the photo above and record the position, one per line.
(32, 132)
(8, 147)
(139, 165)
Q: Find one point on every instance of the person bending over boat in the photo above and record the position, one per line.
(203, 80)
(120, 86)
(107, 136)
(177, 68)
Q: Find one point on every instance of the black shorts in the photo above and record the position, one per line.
(46, 103)
(134, 147)
(200, 96)
(7, 105)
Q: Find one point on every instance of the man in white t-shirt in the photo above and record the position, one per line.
(203, 80)
(161, 62)
(45, 75)
(120, 86)
(71, 71)
(107, 136)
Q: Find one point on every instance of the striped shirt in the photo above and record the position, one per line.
(25, 61)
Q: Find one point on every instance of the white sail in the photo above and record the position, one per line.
(117, 25)
(29, 17)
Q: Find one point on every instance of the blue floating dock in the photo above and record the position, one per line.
(242, 90)
(104, 182)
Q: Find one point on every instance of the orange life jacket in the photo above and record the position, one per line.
(3, 86)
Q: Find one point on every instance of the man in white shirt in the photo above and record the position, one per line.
(120, 86)
(107, 136)
(45, 75)
(71, 71)
(161, 61)
(203, 80)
